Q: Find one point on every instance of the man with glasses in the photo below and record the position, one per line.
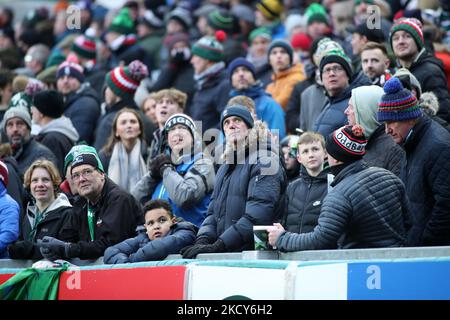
(103, 216)
(338, 80)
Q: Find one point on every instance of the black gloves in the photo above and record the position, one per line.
(52, 248)
(190, 252)
(20, 250)
(159, 164)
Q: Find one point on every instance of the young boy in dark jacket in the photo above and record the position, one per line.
(160, 236)
(305, 194)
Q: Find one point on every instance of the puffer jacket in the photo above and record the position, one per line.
(141, 248)
(9, 220)
(245, 194)
(426, 176)
(304, 200)
(366, 208)
(283, 83)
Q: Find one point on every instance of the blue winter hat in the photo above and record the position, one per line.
(241, 62)
(237, 111)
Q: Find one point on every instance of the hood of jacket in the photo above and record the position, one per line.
(60, 201)
(62, 125)
(255, 91)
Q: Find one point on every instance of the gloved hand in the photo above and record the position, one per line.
(52, 248)
(159, 164)
(20, 249)
(192, 251)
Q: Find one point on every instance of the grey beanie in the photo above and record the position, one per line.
(17, 112)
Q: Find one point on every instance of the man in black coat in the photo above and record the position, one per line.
(250, 187)
(427, 169)
(17, 125)
(103, 216)
(57, 132)
(367, 207)
(408, 45)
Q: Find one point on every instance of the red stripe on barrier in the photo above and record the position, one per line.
(155, 283)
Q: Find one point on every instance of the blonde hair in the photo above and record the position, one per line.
(243, 101)
(150, 96)
(176, 95)
(310, 137)
(44, 164)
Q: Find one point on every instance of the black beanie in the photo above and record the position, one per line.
(347, 143)
(346, 64)
(237, 111)
(285, 45)
(50, 103)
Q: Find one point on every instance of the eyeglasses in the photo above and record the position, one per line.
(86, 173)
(335, 69)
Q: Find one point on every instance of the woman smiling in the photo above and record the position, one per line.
(45, 214)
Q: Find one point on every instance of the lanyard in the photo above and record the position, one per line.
(37, 220)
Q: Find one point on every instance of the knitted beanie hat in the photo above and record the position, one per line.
(24, 99)
(182, 15)
(413, 27)
(18, 112)
(86, 157)
(316, 13)
(398, 103)
(50, 103)
(237, 111)
(124, 81)
(241, 62)
(260, 32)
(123, 23)
(85, 47)
(347, 143)
(210, 48)
(4, 173)
(337, 57)
(180, 118)
(72, 69)
(271, 9)
(81, 148)
(285, 45)
(325, 47)
(221, 19)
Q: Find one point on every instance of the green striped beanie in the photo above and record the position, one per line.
(413, 27)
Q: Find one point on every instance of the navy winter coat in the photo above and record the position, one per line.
(141, 248)
(304, 200)
(243, 197)
(427, 180)
(366, 209)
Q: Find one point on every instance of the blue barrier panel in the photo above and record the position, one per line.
(418, 280)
